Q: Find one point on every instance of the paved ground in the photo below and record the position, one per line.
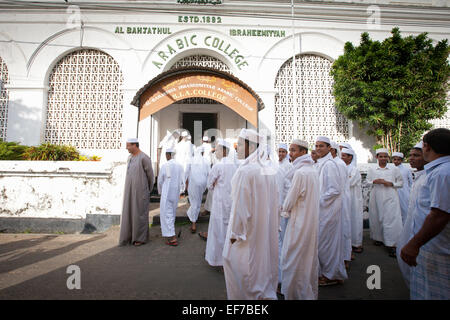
(33, 266)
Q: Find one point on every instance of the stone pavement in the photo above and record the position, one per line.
(34, 266)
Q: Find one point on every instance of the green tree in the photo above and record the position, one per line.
(393, 87)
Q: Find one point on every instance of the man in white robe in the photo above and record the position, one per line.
(207, 150)
(331, 254)
(283, 182)
(183, 150)
(346, 204)
(196, 178)
(170, 186)
(299, 253)
(403, 192)
(385, 218)
(356, 204)
(251, 245)
(219, 180)
(416, 161)
(170, 141)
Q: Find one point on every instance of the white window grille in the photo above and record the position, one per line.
(85, 101)
(4, 98)
(200, 61)
(443, 122)
(316, 112)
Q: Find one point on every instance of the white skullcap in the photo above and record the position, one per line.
(205, 138)
(323, 139)
(334, 145)
(348, 151)
(189, 137)
(283, 146)
(382, 150)
(184, 134)
(345, 145)
(250, 135)
(132, 140)
(222, 142)
(419, 145)
(170, 150)
(300, 143)
(398, 154)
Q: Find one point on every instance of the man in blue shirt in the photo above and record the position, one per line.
(429, 250)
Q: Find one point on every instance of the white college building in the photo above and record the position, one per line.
(93, 73)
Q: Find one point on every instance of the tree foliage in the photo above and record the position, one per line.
(393, 87)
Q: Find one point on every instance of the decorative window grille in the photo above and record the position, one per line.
(443, 122)
(316, 112)
(85, 101)
(200, 61)
(4, 98)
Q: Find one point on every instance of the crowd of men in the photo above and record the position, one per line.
(292, 224)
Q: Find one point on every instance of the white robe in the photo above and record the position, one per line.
(219, 181)
(299, 254)
(283, 182)
(184, 152)
(408, 232)
(170, 185)
(403, 192)
(385, 218)
(197, 175)
(331, 255)
(356, 205)
(346, 207)
(169, 142)
(251, 262)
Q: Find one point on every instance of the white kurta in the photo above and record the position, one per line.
(251, 262)
(170, 185)
(219, 181)
(356, 205)
(283, 182)
(408, 232)
(331, 255)
(183, 153)
(299, 254)
(346, 205)
(403, 192)
(385, 217)
(197, 175)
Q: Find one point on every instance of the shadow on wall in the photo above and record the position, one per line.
(24, 123)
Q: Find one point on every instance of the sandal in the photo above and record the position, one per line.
(357, 249)
(203, 236)
(137, 243)
(172, 243)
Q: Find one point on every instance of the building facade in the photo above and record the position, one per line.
(92, 73)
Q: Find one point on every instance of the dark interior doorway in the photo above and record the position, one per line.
(204, 121)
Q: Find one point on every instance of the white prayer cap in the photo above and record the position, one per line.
(282, 146)
(345, 145)
(398, 154)
(170, 150)
(222, 142)
(334, 145)
(184, 134)
(419, 145)
(189, 137)
(132, 140)
(300, 143)
(205, 138)
(323, 139)
(382, 150)
(250, 135)
(348, 151)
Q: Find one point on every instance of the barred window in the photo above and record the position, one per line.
(200, 61)
(4, 98)
(314, 101)
(85, 101)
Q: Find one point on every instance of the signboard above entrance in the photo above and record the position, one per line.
(199, 84)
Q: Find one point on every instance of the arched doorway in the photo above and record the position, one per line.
(163, 100)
